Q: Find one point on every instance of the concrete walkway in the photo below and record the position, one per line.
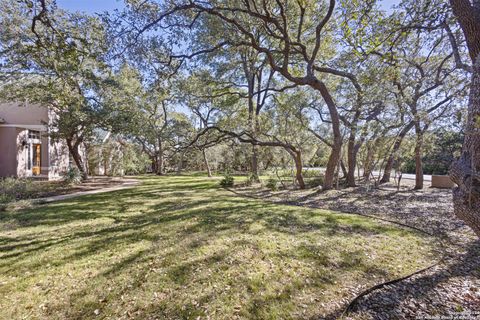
(125, 185)
(408, 176)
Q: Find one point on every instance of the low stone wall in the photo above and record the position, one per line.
(442, 182)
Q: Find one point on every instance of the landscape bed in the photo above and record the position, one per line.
(183, 248)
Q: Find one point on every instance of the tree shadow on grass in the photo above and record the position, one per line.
(170, 226)
(207, 215)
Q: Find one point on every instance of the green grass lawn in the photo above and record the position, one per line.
(182, 248)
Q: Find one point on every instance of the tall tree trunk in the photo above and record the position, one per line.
(352, 148)
(351, 159)
(332, 164)
(159, 166)
(297, 157)
(352, 155)
(368, 164)
(253, 109)
(74, 149)
(160, 158)
(344, 169)
(464, 172)
(153, 160)
(255, 163)
(337, 136)
(387, 172)
(418, 161)
(207, 165)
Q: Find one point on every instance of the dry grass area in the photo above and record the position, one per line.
(182, 248)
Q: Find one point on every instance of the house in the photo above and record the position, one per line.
(26, 150)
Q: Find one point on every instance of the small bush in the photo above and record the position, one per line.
(227, 181)
(72, 176)
(272, 184)
(12, 189)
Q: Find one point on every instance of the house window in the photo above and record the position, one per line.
(32, 134)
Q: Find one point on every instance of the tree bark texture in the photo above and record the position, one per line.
(465, 171)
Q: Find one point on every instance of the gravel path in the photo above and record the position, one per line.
(450, 290)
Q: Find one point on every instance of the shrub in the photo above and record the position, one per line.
(72, 176)
(12, 189)
(227, 181)
(272, 184)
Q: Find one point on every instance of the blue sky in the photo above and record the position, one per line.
(92, 6)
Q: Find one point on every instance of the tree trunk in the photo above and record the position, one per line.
(153, 160)
(337, 136)
(464, 172)
(332, 165)
(159, 166)
(255, 163)
(352, 155)
(297, 156)
(352, 150)
(418, 161)
(344, 169)
(387, 172)
(160, 158)
(368, 164)
(207, 165)
(77, 158)
(351, 159)
(253, 110)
